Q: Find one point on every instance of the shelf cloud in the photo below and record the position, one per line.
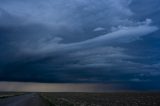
(79, 41)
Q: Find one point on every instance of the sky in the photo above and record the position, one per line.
(81, 41)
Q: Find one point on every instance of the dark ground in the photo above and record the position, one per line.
(80, 99)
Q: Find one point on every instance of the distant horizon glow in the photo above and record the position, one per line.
(57, 87)
(75, 87)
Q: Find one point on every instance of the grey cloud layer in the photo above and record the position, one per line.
(64, 12)
(62, 41)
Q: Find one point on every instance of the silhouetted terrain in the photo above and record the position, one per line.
(82, 99)
(31, 99)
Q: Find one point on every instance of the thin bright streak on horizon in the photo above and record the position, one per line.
(57, 87)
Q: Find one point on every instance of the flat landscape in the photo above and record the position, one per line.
(79, 99)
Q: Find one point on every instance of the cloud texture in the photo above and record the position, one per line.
(78, 41)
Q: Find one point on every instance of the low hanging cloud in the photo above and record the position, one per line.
(120, 34)
(61, 41)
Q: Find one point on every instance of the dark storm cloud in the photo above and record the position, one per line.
(74, 41)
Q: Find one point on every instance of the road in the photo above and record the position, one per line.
(31, 99)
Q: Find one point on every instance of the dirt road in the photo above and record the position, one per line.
(31, 99)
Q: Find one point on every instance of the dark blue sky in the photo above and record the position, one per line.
(80, 41)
